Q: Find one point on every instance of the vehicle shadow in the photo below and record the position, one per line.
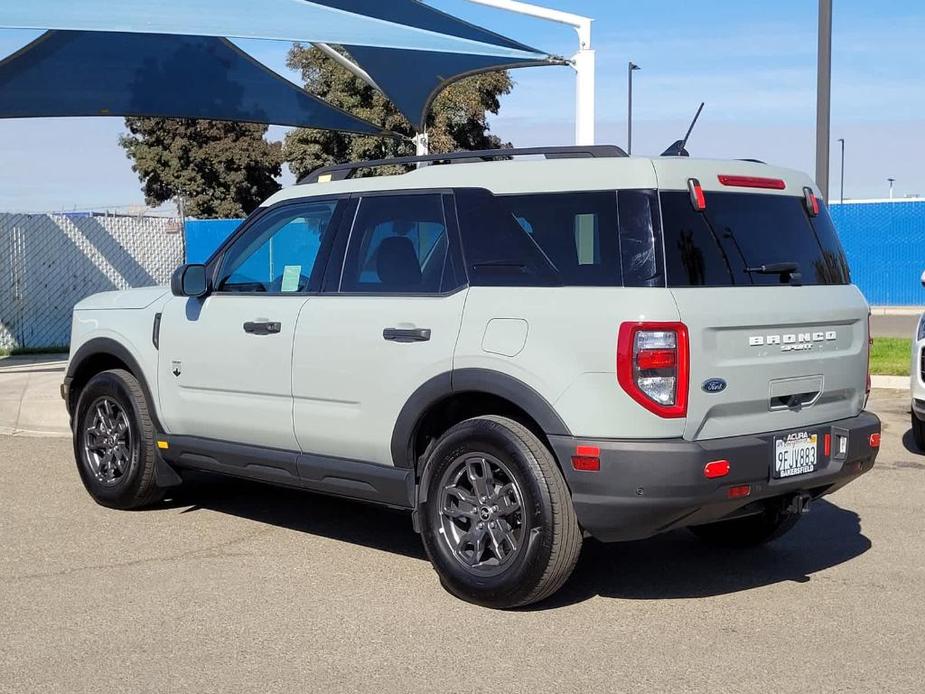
(672, 566)
(354, 522)
(678, 565)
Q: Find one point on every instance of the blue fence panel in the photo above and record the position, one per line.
(203, 236)
(884, 241)
(885, 245)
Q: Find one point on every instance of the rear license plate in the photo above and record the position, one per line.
(795, 454)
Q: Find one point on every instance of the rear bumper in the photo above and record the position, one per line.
(646, 487)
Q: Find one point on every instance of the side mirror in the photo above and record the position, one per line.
(190, 280)
(923, 279)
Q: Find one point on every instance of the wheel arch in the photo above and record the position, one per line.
(98, 355)
(473, 392)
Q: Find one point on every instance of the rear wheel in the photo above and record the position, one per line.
(776, 520)
(114, 442)
(918, 432)
(498, 523)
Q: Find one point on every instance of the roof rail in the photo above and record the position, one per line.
(343, 172)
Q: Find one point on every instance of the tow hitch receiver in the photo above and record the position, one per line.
(799, 503)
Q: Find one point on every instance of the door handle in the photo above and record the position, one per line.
(263, 328)
(405, 336)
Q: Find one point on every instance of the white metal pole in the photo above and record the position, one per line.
(584, 62)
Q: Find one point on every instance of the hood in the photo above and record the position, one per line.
(123, 299)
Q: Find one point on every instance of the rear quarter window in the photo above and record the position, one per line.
(738, 232)
(578, 239)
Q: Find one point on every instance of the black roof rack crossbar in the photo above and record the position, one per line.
(342, 172)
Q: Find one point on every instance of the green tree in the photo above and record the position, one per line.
(220, 169)
(458, 119)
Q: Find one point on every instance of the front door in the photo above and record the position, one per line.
(225, 364)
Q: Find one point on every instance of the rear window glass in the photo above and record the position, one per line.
(740, 232)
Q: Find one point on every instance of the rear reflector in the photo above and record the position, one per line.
(587, 459)
(740, 492)
(698, 201)
(875, 440)
(718, 468)
(753, 182)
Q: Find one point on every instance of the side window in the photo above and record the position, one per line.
(279, 253)
(577, 233)
(399, 244)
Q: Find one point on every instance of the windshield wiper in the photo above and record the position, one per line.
(502, 264)
(788, 271)
(775, 269)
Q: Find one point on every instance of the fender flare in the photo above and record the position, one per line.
(109, 347)
(460, 381)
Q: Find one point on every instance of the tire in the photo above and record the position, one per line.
(529, 537)
(918, 432)
(112, 419)
(750, 531)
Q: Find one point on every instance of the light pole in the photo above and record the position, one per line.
(630, 69)
(824, 97)
(842, 182)
(892, 181)
(584, 62)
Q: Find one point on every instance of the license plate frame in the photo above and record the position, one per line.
(795, 454)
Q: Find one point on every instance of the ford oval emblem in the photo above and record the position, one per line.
(714, 385)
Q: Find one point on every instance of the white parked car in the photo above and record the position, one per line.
(918, 382)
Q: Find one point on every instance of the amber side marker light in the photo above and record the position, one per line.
(163, 445)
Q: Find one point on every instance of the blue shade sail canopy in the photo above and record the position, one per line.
(390, 69)
(402, 24)
(76, 73)
(411, 50)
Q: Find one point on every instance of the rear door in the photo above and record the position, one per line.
(782, 346)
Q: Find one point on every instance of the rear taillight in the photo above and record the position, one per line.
(698, 200)
(653, 364)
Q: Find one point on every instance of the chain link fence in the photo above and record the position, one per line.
(50, 262)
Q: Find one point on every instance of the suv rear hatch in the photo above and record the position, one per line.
(778, 335)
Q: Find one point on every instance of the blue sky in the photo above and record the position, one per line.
(753, 63)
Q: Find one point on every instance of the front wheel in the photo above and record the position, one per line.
(918, 432)
(498, 522)
(114, 442)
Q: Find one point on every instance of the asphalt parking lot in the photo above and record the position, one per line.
(237, 587)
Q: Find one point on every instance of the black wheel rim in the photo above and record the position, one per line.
(481, 516)
(108, 441)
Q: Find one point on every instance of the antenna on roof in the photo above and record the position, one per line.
(678, 148)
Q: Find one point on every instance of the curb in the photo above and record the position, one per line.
(897, 310)
(891, 382)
